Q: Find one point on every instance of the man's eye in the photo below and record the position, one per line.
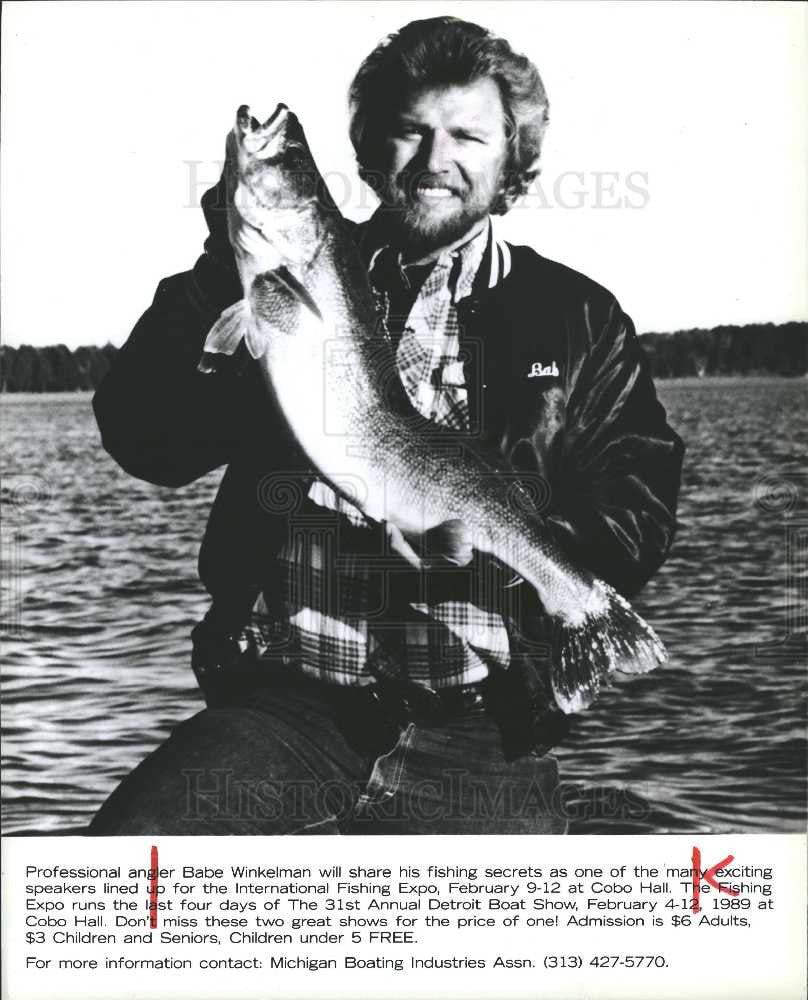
(468, 137)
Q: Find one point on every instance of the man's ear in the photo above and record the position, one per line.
(516, 184)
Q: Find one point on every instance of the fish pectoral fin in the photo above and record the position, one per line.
(229, 329)
(235, 324)
(291, 284)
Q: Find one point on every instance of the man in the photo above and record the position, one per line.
(347, 691)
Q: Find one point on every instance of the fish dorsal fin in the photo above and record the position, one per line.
(235, 324)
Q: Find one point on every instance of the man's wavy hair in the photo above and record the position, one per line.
(442, 51)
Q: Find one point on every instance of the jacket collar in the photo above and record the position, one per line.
(494, 265)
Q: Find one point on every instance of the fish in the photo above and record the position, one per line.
(311, 321)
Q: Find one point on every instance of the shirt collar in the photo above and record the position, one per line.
(462, 262)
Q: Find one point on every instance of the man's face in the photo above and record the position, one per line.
(444, 157)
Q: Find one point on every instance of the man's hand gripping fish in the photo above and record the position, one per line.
(309, 318)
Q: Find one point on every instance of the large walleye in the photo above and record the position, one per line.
(310, 319)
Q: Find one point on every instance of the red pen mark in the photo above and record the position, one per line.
(153, 889)
(709, 878)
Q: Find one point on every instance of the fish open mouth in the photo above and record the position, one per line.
(277, 113)
(248, 123)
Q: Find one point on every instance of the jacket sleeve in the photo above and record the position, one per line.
(159, 418)
(614, 505)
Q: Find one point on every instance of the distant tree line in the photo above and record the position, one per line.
(756, 349)
(53, 369)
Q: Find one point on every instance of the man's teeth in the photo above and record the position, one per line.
(434, 192)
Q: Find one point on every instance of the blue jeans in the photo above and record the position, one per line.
(283, 761)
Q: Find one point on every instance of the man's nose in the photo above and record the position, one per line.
(437, 152)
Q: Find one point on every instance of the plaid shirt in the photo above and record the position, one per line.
(329, 608)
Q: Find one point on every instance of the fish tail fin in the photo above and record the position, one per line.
(614, 639)
(236, 324)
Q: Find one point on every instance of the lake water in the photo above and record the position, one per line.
(100, 593)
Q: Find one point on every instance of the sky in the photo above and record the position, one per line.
(675, 169)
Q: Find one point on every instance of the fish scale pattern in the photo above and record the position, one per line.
(330, 612)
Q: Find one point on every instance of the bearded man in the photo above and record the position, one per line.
(348, 691)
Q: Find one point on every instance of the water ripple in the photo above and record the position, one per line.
(101, 593)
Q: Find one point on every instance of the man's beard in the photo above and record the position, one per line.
(422, 227)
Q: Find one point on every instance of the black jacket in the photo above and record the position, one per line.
(595, 434)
